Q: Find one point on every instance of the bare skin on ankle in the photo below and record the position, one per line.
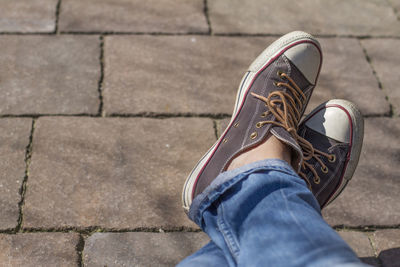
(271, 148)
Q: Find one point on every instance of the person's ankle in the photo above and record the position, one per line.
(271, 148)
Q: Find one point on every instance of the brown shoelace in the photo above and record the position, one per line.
(284, 107)
(310, 152)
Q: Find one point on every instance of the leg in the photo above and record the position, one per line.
(260, 212)
(266, 216)
(209, 255)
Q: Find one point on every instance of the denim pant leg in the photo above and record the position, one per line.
(209, 255)
(264, 215)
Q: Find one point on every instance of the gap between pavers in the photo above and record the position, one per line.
(36, 16)
(387, 243)
(385, 57)
(141, 249)
(14, 138)
(39, 249)
(112, 172)
(56, 74)
(201, 74)
(168, 249)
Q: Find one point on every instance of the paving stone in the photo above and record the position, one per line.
(360, 243)
(112, 172)
(385, 58)
(372, 198)
(176, 74)
(373, 17)
(346, 74)
(49, 74)
(175, 16)
(387, 243)
(27, 15)
(395, 4)
(39, 249)
(141, 249)
(14, 137)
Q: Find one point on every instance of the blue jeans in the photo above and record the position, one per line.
(263, 214)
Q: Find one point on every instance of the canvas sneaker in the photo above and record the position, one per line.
(334, 132)
(271, 99)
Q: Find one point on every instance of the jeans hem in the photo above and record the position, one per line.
(227, 179)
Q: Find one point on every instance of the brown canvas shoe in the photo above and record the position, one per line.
(271, 98)
(335, 129)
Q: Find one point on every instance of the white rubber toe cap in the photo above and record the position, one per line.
(307, 58)
(336, 124)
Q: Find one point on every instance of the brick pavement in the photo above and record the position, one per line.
(106, 105)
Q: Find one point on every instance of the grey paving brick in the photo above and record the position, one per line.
(359, 242)
(201, 74)
(395, 4)
(49, 74)
(112, 172)
(174, 16)
(385, 58)
(39, 249)
(372, 17)
(176, 74)
(361, 245)
(14, 137)
(387, 243)
(27, 15)
(346, 74)
(372, 198)
(141, 249)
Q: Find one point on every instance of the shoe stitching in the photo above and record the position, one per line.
(335, 170)
(250, 125)
(289, 67)
(256, 113)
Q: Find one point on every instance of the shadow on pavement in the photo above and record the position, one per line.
(387, 258)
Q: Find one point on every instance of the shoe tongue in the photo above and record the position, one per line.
(285, 137)
(318, 140)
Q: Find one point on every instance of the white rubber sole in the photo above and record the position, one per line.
(261, 62)
(357, 136)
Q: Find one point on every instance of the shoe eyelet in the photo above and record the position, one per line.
(236, 125)
(258, 125)
(317, 180)
(253, 135)
(276, 84)
(324, 169)
(264, 114)
(332, 158)
(279, 73)
(225, 140)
